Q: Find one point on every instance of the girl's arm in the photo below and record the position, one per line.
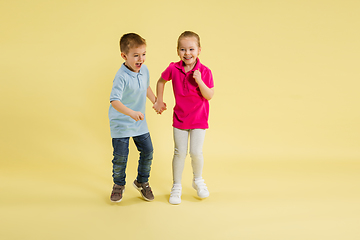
(120, 107)
(159, 105)
(207, 92)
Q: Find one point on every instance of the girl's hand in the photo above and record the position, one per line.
(197, 76)
(137, 116)
(159, 107)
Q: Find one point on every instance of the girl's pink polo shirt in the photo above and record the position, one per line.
(191, 109)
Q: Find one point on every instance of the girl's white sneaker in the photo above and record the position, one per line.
(201, 188)
(175, 195)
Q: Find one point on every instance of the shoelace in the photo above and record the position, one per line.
(147, 188)
(116, 191)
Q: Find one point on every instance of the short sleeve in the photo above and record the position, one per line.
(167, 74)
(117, 89)
(208, 78)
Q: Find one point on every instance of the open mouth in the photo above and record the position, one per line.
(187, 58)
(138, 65)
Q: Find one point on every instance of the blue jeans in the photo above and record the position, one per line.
(121, 152)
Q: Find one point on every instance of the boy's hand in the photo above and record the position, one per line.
(159, 107)
(197, 76)
(137, 116)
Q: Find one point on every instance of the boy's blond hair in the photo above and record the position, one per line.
(189, 34)
(130, 40)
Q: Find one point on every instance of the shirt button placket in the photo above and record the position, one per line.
(186, 87)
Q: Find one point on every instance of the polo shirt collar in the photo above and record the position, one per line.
(180, 65)
(129, 72)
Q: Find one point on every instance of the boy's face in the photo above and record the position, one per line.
(135, 58)
(188, 50)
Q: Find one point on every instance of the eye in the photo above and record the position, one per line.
(136, 55)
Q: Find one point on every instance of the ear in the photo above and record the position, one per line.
(123, 55)
(199, 50)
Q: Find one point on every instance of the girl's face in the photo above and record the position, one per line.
(189, 50)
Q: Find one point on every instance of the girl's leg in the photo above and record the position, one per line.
(180, 151)
(197, 137)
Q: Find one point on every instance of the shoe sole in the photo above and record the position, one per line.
(120, 199)
(175, 203)
(139, 189)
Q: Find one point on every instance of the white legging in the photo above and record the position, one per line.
(181, 137)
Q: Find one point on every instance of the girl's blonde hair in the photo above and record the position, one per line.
(189, 34)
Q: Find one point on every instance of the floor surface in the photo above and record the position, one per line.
(249, 199)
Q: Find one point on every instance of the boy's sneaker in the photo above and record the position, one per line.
(117, 192)
(144, 189)
(175, 195)
(201, 188)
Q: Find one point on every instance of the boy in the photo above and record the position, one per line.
(127, 116)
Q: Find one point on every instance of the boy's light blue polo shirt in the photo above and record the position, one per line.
(130, 88)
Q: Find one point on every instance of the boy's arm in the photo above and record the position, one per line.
(159, 105)
(207, 92)
(150, 95)
(120, 107)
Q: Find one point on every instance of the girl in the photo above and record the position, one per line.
(193, 87)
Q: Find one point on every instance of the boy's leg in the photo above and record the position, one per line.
(145, 147)
(180, 151)
(121, 152)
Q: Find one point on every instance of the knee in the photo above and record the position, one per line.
(147, 156)
(196, 155)
(118, 159)
(180, 153)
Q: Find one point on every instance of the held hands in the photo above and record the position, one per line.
(159, 107)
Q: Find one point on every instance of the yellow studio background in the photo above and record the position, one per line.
(282, 152)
